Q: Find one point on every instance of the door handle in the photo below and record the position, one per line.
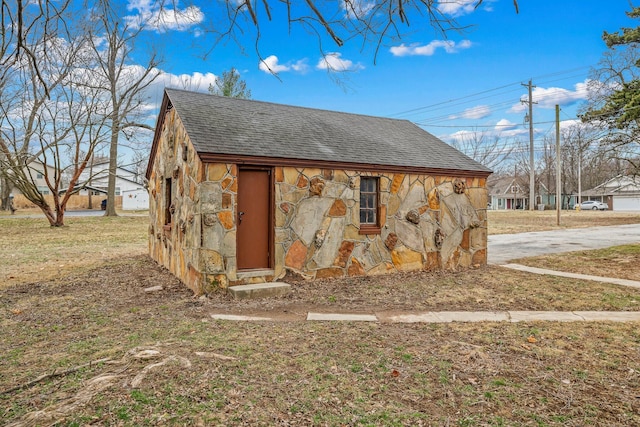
(240, 216)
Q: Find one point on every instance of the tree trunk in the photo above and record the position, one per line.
(6, 187)
(59, 221)
(51, 217)
(90, 201)
(113, 165)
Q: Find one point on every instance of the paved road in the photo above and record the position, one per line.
(505, 247)
(70, 213)
(36, 214)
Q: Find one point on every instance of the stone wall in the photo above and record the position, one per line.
(176, 245)
(427, 222)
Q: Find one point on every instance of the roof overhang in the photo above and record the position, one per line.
(292, 162)
(361, 167)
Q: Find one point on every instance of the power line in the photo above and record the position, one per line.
(512, 125)
(451, 100)
(456, 115)
(469, 97)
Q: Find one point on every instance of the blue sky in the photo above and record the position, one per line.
(470, 81)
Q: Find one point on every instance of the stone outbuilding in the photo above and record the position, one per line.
(243, 191)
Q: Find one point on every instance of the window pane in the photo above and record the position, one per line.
(371, 185)
(368, 200)
(365, 201)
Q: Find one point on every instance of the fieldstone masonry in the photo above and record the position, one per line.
(427, 222)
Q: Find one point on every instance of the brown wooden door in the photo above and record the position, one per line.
(253, 219)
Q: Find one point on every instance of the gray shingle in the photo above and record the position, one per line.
(222, 125)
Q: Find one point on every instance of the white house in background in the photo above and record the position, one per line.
(621, 193)
(135, 200)
(98, 177)
(37, 170)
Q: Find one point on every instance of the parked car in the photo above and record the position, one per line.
(593, 205)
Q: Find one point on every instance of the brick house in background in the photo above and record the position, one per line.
(243, 191)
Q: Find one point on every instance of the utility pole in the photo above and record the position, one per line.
(558, 175)
(532, 178)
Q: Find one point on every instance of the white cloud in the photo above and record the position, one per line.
(161, 19)
(549, 97)
(567, 124)
(475, 113)
(197, 82)
(300, 66)
(355, 9)
(505, 124)
(458, 7)
(449, 46)
(459, 136)
(502, 129)
(271, 65)
(334, 62)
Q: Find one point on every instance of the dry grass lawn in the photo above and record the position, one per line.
(32, 251)
(506, 222)
(84, 344)
(618, 261)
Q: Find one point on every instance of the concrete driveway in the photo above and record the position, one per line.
(505, 247)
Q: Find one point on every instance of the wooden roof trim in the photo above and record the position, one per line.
(156, 134)
(363, 167)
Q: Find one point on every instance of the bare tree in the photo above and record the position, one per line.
(614, 91)
(50, 116)
(21, 22)
(587, 159)
(77, 129)
(368, 23)
(549, 164)
(113, 43)
(520, 165)
(26, 103)
(139, 163)
(489, 150)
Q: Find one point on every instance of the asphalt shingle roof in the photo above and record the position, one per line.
(223, 125)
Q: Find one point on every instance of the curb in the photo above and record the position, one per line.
(451, 317)
(544, 271)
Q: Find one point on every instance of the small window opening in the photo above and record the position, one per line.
(369, 197)
(167, 201)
